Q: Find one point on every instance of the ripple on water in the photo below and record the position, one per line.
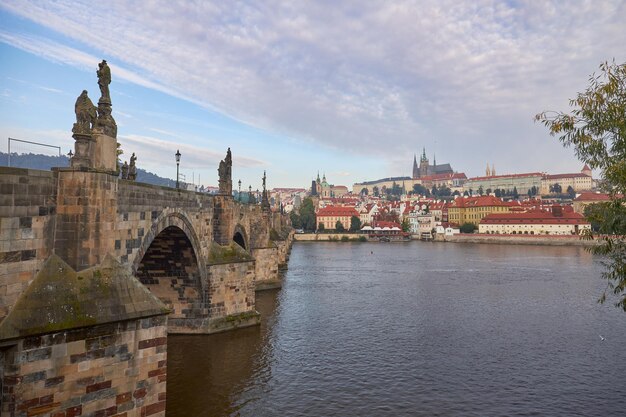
(414, 330)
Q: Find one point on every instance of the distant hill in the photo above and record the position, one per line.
(46, 162)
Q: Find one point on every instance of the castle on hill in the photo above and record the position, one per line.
(423, 174)
(426, 170)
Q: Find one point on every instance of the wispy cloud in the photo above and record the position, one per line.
(158, 151)
(379, 78)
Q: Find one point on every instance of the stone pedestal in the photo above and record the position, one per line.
(83, 150)
(86, 216)
(105, 151)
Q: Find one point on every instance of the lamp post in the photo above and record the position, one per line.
(250, 194)
(239, 192)
(70, 154)
(177, 155)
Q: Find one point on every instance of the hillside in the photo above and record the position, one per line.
(46, 162)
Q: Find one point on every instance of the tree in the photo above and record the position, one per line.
(307, 215)
(339, 226)
(467, 228)
(355, 224)
(556, 188)
(480, 190)
(515, 193)
(570, 192)
(375, 191)
(488, 191)
(596, 129)
(320, 227)
(498, 193)
(420, 189)
(295, 220)
(364, 191)
(406, 226)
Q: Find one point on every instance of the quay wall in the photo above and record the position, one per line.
(516, 239)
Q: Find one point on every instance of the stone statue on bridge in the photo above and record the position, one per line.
(125, 171)
(104, 79)
(225, 174)
(85, 114)
(132, 169)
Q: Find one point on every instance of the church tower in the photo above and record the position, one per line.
(488, 171)
(423, 164)
(416, 172)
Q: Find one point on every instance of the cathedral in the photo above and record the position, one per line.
(426, 170)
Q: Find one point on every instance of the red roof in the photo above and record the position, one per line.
(481, 201)
(535, 217)
(589, 196)
(337, 211)
(563, 176)
(530, 174)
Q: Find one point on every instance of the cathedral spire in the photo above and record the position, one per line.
(416, 173)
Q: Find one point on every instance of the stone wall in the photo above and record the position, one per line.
(27, 214)
(111, 369)
(517, 239)
(266, 267)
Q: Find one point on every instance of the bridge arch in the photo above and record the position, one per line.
(240, 237)
(170, 264)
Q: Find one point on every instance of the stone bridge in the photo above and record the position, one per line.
(96, 270)
(202, 255)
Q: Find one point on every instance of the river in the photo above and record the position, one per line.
(415, 329)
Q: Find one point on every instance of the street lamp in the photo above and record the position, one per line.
(239, 192)
(177, 155)
(250, 194)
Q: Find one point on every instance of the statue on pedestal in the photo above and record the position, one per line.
(125, 171)
(132, 169)
(104, 79)
(85, 114)
(225, 174)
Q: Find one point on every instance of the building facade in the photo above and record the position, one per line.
(520, 182)
(328, 217)
(558, 221)
(474, 209)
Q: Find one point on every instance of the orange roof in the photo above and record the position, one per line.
(589, 196)
(481, 201)
(337, 211)
(535, 217)
(530, 174)
(563, 176)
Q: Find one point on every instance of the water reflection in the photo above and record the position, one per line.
(206, 373)
(414, 330)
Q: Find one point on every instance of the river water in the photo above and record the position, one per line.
(415, 329)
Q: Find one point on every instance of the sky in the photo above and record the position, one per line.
(351, 89)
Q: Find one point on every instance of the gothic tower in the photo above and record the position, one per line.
(423, 164)
(416, 172)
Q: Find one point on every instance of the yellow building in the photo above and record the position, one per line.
(474, 209)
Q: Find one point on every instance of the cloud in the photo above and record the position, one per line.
(377, 78)
(156, 152)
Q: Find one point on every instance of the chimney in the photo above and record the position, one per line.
(557, 210)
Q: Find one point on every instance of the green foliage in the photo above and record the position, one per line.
(571, 193)
(345, 238)
(420, 189)
(339, 226)
(296, 222)
(320, 227)
(596, 129)
(364, 191)
(375, 191)
(406, 226)
(480, 190)
(355, 224)
(307, 215)
(515, 194)
(467, 228)
(362, 239)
